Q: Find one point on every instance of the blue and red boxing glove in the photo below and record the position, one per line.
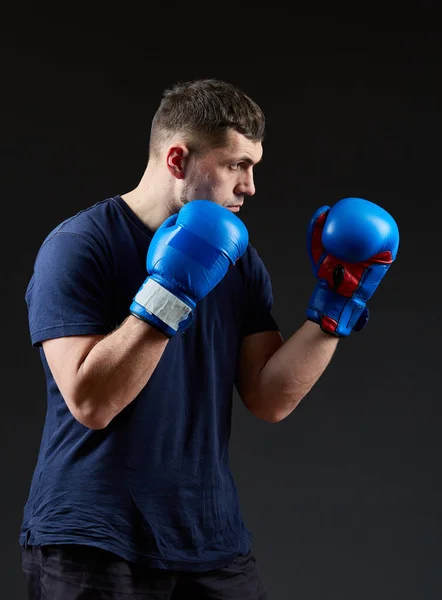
(351, 247)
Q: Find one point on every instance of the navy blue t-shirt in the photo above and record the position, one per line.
(154, 486)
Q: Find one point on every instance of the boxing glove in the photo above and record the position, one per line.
(188, 256)
(351, 246)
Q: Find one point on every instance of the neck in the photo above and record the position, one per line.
(152, 200)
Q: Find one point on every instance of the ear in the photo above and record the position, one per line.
(176, 161)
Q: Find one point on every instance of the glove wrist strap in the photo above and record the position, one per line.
(336, 314)
(162, 304)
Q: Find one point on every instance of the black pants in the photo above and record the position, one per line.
(75, 572)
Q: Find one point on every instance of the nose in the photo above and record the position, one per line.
(246, 186)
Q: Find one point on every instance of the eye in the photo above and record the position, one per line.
(235, 166)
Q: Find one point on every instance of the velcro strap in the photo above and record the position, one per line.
(162, 303)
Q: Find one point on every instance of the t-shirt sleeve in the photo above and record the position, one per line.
(259, 296)
(69, 291)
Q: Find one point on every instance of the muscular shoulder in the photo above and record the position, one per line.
(92, 222)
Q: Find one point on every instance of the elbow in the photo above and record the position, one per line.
(90, 418)
(275, 409)
(276, 417)
(268, 417)
(273, 417)
(92, 422)
(85, 411)
(267, 414)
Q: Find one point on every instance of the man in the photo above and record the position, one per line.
(147, 309)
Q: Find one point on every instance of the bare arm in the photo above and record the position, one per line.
(98, 375)
(274, 376)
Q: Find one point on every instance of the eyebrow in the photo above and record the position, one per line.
(248, 160)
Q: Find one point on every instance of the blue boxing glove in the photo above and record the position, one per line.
(351, 246)
(188, 256)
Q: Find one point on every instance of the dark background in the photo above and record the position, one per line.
(344, 496)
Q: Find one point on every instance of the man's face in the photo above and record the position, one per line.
(224, 175)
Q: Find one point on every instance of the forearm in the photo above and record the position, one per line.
(116, 370)
(293, 370)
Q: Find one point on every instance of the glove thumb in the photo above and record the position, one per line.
(363, 320)
(315, 248)
(169, 222)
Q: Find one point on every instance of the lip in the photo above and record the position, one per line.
(234, 207)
